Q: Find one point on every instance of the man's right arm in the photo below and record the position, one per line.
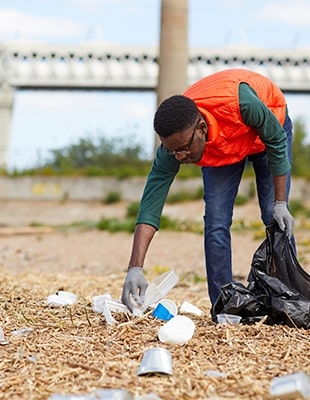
(161, 176)
(142, 238)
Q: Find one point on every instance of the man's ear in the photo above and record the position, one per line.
(204, 129)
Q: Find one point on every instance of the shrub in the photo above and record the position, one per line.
(112, 197)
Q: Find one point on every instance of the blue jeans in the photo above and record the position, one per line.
(220, 190)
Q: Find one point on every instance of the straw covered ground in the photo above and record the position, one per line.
(72, 350)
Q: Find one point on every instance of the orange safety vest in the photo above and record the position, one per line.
(217, 98)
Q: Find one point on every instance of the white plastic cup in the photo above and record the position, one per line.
(228, 319)
(156, 360)
(178, 330)
(291, 386)
(170, 305)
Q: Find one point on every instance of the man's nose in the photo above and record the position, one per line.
(181, 156)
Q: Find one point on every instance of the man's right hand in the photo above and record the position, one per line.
(135, 285)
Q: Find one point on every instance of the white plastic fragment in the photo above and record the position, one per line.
(22, 332)
(159, 287)
(215, 374)
(105, 394)
(3, 340)
(99, 394)
(105, 305)
(62, 298)
(98, 302)
(187, 307)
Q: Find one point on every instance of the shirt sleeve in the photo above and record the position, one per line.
(163, 171)
(257, 115)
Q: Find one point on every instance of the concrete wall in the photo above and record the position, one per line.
(81, 188)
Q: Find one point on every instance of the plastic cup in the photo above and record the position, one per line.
(156, 360)
(291, 386)
(228, 319)
(161, 312)
(178, 330)
(170, 305)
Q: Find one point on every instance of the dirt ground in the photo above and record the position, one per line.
(72, 350)
(29, 239)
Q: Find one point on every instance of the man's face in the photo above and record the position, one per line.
(187, 146)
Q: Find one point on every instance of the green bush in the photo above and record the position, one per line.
(133, 209)
(124, 157)
(116, 225)
(184, 195)
(240, 200)
(112, 197)
(298, 208)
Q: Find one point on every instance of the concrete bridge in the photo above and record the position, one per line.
(133, 68)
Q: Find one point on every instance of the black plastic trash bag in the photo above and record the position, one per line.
(276, 257)
(278, 286)
(236, 299)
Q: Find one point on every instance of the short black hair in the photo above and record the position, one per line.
(175, 114)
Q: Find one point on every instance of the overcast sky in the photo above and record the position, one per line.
(43, 120)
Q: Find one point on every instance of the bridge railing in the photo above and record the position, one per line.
(78, 67)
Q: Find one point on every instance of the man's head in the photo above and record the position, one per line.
(175, 114)
(181, 128)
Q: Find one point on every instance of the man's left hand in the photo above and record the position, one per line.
(283, 217)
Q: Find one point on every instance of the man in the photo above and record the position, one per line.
(220, 122)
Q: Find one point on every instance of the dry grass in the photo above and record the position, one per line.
(72, 349)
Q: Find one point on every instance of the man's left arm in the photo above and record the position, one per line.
(257, 115)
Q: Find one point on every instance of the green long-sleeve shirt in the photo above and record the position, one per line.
(165, 166)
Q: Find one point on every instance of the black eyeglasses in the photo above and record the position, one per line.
(185, 149)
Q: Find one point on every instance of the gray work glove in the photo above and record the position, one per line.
(134, 286)
(283, 217)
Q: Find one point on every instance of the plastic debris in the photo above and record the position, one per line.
(159, 287)
(215, 374)
(22, 332)
(100, 394)
(62, 298)
(178, 330)
(109, 306)
(187, 307)
(98, 302)
(3, 341)
(155, 291)
(105, 394)
(291, 386)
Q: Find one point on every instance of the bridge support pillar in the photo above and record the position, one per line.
(6, 110)
(173, 50)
